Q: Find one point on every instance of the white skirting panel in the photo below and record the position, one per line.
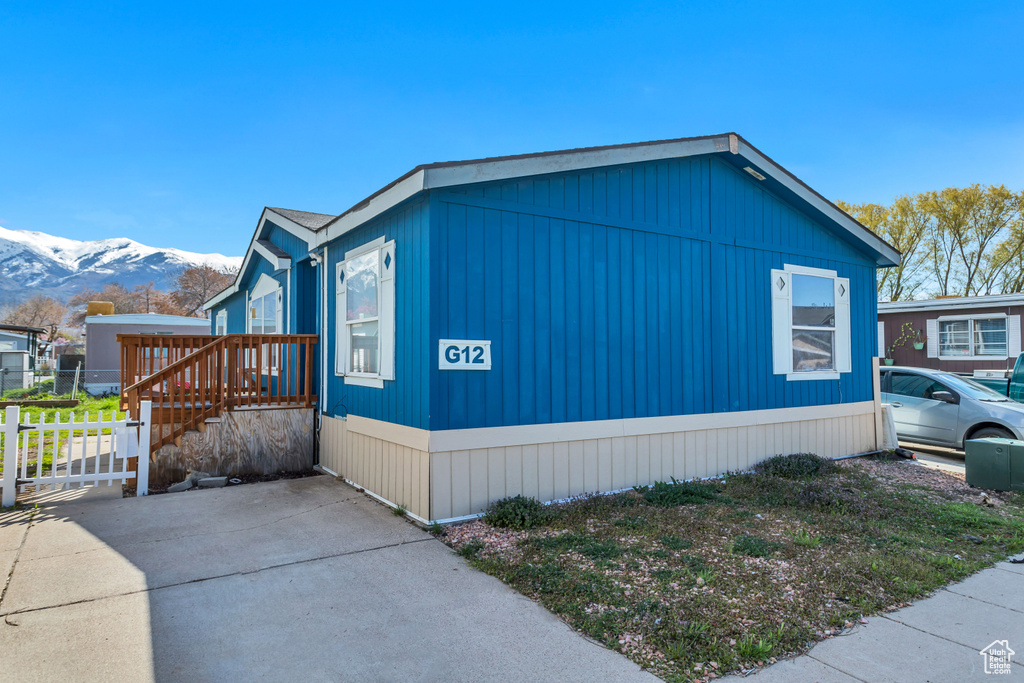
(450, 474)
(464, 482)
(388, 464)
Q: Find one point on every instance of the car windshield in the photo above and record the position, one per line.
(970, 388)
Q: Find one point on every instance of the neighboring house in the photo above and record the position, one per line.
(569, 322)
(102, 356)
(19, 346)
(958, 334)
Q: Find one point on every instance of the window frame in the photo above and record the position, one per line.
(342, 326)
(265, 287)
(971, 319)
(221, 322)
(783, 327)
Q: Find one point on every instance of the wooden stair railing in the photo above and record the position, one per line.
(144, 355)
(229, 372)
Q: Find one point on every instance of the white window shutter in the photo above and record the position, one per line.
(931, 330)
(1013, 335)
(279, 321)
(387, 311)
(881, 339)
(340, 309)
(782, 323)
(844, 360)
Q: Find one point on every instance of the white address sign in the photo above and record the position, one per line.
(464, 354)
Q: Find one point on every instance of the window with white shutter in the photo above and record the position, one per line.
(810, 323)
(365, 314)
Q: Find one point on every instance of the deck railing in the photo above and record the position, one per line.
(229, 372)
(144, 355)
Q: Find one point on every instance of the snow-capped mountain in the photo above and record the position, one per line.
(37, 263)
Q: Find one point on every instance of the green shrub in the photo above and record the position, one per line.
(519, 512)
(681, 493)
(795, 466)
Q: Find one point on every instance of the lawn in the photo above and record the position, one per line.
(695, 579)
(87, 407)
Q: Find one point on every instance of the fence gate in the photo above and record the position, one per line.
(66, 453)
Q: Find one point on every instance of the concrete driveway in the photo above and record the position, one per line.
(303, 579)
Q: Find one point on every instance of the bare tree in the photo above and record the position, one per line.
(194, 286)
(124, 300)
(39, 311)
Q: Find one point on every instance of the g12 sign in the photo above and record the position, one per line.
(464, 354)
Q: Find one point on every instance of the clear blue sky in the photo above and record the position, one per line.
(175, 123)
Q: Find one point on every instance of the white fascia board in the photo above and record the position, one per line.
(393, 196)
(303, 233)
(291, 226)
(889, 256)
(964, 302)
(504, 169)
(278, 262)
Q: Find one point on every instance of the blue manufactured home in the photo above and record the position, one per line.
(571, 322)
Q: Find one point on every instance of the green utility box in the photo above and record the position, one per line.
(996, 464)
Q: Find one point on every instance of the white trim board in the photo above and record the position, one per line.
(499, 437)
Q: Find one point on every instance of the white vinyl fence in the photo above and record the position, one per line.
(81, 453)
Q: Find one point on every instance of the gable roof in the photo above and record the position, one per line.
(729, 146)
(319, 229)
(307, 219)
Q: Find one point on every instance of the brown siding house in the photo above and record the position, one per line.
(959, 334)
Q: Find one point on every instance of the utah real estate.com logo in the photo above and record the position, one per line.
(997, 657)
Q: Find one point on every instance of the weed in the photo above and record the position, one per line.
(470, 549)
(805, 540)
(681, 493)
(519, 512)
(675, 543)
(435, 529)
(796, 466)
(753, 546)
(399, 511)
(632, 522)
(750, 650)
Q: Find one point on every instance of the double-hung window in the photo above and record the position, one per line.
(982, 337)
(222, 323)
(365, 314)
(810, 323)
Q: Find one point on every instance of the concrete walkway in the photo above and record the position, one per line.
(937, 639)
(291, 580)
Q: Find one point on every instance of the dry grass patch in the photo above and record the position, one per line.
(692, 580)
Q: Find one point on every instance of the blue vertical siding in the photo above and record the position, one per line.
(404, 400)
(299, 283)
(235, 306)
(633, 291)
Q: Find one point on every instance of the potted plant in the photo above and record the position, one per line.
(919, 341)
(906, 334)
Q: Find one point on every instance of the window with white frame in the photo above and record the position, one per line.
(222, 323)
(973, 337)
(265, 317)
(810, 323)
(365, 310)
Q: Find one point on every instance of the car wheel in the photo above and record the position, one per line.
(992, 433)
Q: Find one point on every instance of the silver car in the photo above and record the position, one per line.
(943, 409)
